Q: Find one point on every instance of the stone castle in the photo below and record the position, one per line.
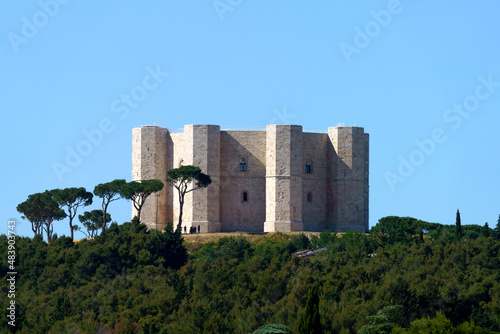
(280, 179)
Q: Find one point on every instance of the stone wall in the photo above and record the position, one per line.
(283, 178)
(315, 184)
(206, 155)
(348, 178)
(181, 157)
(149, 161)
(366, 190)
(280, 195)
(236, 214)
(199, 145)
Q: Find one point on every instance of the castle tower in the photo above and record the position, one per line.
(283, 178)
(348, 187)
(201, 147)
(149, 161)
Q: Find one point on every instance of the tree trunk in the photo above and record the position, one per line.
(181, 205)
(139, 211)
(49, 231)
(71, 227)
(71, 216)
(179, 224)
(104, 208)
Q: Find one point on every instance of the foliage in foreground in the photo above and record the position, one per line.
(130, 280)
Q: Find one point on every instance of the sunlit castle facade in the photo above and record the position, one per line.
(277, 179)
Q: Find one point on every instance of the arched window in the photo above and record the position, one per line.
(309, 197)
(245, 196)
(309, 168)
(243, 165)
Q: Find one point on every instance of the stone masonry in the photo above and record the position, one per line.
(280, 179)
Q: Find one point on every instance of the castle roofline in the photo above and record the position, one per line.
(257, 128)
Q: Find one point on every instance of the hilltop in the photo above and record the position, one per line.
(131, 280)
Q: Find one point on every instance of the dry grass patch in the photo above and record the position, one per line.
(78, 240)
(193, 242)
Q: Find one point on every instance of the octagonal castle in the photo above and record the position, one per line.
(278, 179)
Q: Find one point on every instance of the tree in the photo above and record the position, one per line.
(139, 191)
(108, 192)
(404, 228)
(273, 329)
(384, 321)
(486, 230)
(61, 310)
(41, 209)
(401, 294)
(169, 245)
(439, 324)
(181, 178)
(497, 228)
(458, 225)
(32, 209)
(310, 321)
(72, 198)
(92, 221)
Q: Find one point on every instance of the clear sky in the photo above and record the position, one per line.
(422, 77)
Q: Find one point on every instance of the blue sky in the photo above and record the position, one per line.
(423, 78)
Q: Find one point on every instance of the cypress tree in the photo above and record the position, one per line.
(497, 228)
(486, 230)
(61, 310)
(310, 321)
(459, 225)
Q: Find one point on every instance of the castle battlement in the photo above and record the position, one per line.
(277, 179)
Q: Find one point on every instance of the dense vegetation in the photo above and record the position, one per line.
(407, 276)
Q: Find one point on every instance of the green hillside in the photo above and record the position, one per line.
(406, 276)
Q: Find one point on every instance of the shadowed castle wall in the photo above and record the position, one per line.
(315, 184)
(348, 188)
